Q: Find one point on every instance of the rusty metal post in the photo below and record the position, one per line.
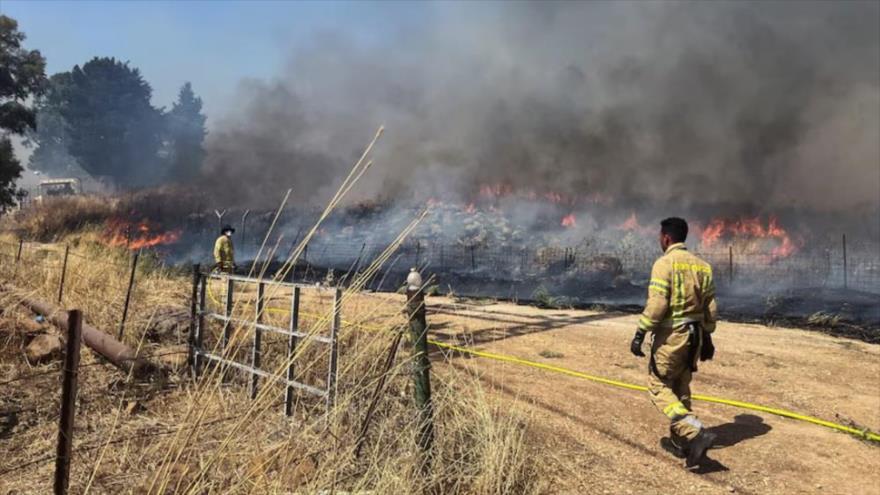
(200, 322)
(258, 338)
(18, 253)
(291, 350)
(365, 424)
(845, 270)
(227, 325)
(134, 262)
(68, 401)
(244, 227)
(63, 273)
(193, 309)
(334, 349)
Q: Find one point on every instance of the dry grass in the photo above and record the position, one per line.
(54, 218)
(206, 436)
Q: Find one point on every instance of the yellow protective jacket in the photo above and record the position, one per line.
(681, 291)
(224, 254)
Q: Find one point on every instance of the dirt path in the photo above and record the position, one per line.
(600, 439)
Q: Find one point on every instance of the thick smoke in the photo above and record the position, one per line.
(753, 105)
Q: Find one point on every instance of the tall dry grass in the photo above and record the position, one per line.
(205, 436)
(215, 440)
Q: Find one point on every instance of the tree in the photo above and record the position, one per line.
(186, 132)
(112, 130)
(52, 155)
(22, 75)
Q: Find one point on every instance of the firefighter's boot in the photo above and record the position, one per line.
(698, 447)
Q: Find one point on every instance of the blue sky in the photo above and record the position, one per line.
(213, 44)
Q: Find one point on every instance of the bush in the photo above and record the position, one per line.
(49, 220)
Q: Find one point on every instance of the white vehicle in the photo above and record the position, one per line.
(51, 188)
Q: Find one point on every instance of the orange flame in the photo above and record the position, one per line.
(631, 223)
(569, 221)
(123, 234)
(749, 229)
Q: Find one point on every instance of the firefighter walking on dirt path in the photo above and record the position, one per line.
(224, 253)
(680, 314)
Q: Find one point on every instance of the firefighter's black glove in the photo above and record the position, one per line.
(636, 346)
(707, 352)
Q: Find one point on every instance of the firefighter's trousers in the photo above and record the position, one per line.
(670, 380)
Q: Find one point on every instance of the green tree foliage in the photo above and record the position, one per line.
(185, 133)
(52, 155)
(22, 75)
(111, 128)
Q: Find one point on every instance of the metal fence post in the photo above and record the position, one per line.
(63, 272)
(845, 270)
(227, 325)
(291, 350)
(421, 368)
(134, 262)
(258, 337)
(68, 401)
(473, 260)
(18, 253)
(200, 323)
(334, 349)
(193, 308)
(730, 263)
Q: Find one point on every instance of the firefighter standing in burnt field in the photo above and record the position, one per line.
(224, 253)
(680, 314)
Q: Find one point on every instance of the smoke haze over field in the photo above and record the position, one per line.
(760, 105)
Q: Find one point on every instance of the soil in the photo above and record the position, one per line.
(585, 437)
(595, 438)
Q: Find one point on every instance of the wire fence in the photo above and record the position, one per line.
(833, 268)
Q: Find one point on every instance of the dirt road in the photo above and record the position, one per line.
(600, 439)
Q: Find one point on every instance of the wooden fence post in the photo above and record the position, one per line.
(134, 262)
(68, 401)
(63, 273)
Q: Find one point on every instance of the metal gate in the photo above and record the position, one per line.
(199, 355)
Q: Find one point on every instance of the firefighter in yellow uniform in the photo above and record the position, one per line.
(680, 314)
(224, 252)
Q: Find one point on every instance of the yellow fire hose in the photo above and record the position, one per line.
(863, 434)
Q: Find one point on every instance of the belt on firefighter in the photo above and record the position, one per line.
(694, 339)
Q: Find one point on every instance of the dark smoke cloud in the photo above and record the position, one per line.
(755, 104)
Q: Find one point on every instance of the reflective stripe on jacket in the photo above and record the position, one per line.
(681, 291)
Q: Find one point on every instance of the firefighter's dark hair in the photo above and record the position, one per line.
(676, 228)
